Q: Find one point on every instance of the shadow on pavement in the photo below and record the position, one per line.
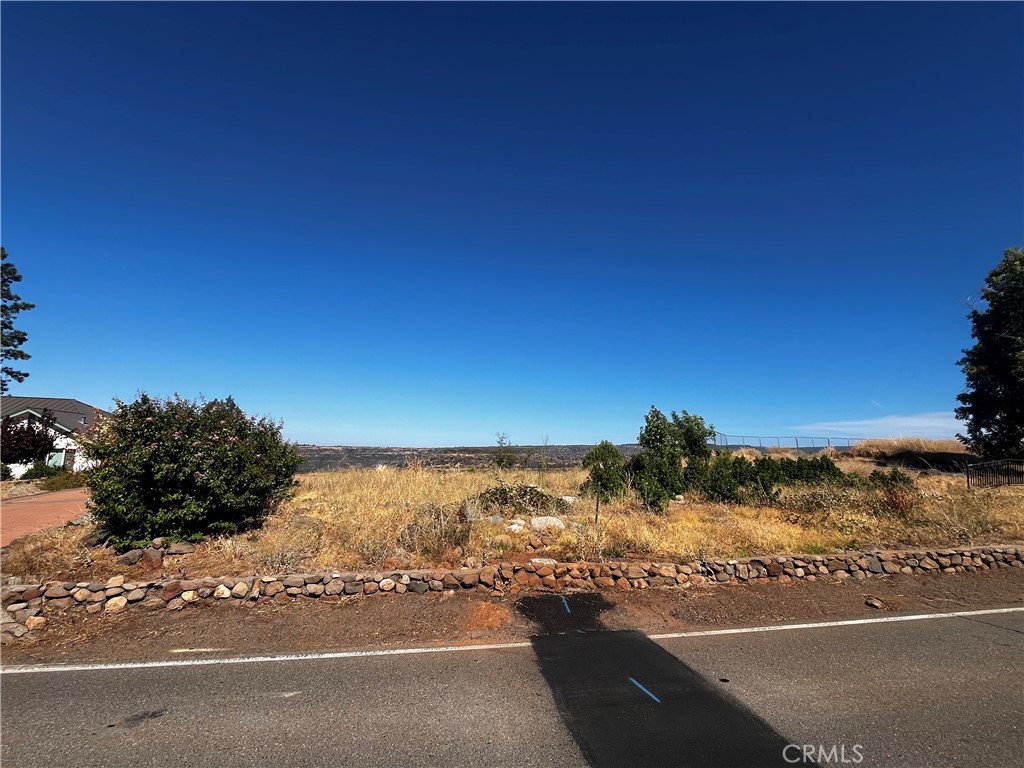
(629, 702)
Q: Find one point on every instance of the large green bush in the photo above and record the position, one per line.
(657, 471)
(183, 469)
(607, 468)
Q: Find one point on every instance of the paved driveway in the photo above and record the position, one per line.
(29, 514)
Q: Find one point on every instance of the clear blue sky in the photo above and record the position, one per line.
(424, 224)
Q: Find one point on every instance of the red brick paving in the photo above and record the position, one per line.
(29, 514)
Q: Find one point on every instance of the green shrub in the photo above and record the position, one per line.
(817, 471)
(658, 472)
(182, 469)
(723, 477)
(894, 478)
(732, 478)
(607, 467)
(5, 472)
(40, 470)
(64, 481)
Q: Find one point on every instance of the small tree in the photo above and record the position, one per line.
(658, 472)
(993, 403)
(607, 467)
(28, 440)
(181, 469)
(10, 344)
(504, 457)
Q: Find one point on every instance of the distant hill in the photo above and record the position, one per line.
(317, 458)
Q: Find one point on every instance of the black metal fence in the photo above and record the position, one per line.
(989, 474)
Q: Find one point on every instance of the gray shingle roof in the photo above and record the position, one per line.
(71, 414)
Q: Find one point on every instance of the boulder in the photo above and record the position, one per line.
(152, 559)
(545, 524)
(181, 548)
(131, 557)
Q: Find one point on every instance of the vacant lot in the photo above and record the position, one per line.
(410, 517)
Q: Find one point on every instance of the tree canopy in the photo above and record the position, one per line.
(12, 337)
(27, 440)
(993, 402)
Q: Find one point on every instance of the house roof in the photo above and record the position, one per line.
(69, 414)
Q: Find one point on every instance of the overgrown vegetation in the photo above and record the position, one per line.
(360, 519)
(519, 498)
(182, 470)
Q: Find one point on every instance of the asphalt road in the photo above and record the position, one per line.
(934, 692)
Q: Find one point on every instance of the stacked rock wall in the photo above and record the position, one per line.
(25, 607)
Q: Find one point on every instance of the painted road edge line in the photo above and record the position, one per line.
(256, 659)
(459, 648)
(844, 623)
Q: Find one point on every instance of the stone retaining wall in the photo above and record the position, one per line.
(25, 607)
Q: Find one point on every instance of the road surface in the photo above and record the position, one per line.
(925, 692)
(28, 514)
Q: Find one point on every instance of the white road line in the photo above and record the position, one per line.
(847, 623)
(256, 659)
(462, 648)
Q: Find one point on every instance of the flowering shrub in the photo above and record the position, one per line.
(180, 469)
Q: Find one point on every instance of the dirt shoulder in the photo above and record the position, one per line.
(378, 622)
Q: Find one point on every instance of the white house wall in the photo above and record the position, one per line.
(62, 441)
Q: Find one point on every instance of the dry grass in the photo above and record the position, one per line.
(397, 518)
(883, 449)
(13, 489)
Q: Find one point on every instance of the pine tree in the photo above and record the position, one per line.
(993, 403)
(12, 338)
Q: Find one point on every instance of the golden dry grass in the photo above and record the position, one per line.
(882, 449)
(383, 518)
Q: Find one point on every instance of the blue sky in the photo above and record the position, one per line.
(425, 224)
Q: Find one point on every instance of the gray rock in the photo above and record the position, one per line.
(131, 557)
(546, 523)
(181, 548)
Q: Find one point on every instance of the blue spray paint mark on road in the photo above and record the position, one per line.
(634, 682)
(566, 604)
